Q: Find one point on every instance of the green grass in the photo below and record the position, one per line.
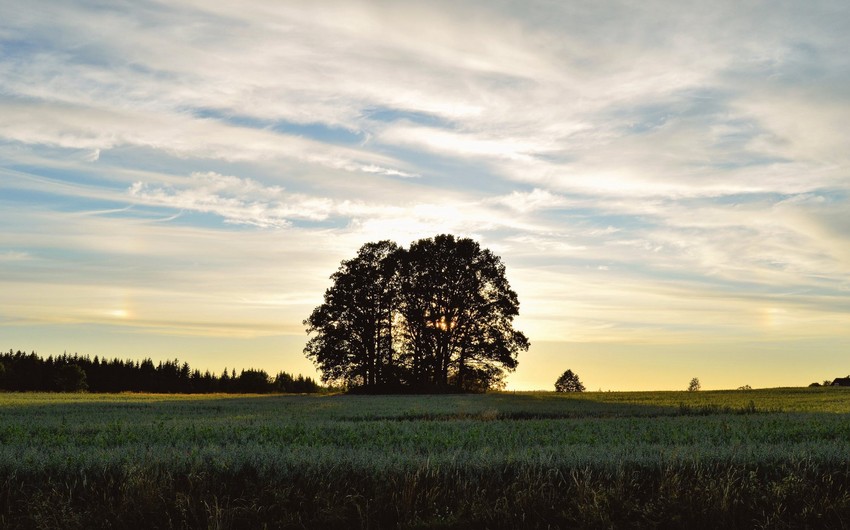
(733, 458)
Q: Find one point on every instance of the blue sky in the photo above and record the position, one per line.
(667, 183)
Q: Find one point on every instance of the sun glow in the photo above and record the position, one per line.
(445, 324)
(119, 314)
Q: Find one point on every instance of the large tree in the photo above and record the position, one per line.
(458, 310)
(439, 313)
(353, 341)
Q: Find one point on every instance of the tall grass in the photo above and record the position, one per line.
(498, 460)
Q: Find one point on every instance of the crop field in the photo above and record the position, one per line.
(759, 458)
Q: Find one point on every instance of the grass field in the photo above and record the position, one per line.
(759, 458)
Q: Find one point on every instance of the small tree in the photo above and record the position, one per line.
(568, 382)
(694, 385)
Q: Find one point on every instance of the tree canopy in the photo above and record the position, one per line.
(436, 316)
(569, 382)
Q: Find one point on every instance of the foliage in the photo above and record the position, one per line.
(694, 385)
(75, 373)
(354, 326)
(532, 460)
(436, 316)
(70, 378)
(569, 382)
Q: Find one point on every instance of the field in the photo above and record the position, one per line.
(760, 458)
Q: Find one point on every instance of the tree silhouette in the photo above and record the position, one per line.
(569, 382)
(694, 385)
(354, 326)
(29, 372)
(435, 316)
(458, 309)
(70, 378)
(254, 382)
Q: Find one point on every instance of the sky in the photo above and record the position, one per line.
(667, 183)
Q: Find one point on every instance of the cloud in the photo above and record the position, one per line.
(97, 129)
(244, 201)
(237, 200)
(389, 172)
(534, 200)
(13, 255)
(649, 172)
(448, 143)
(676, 105)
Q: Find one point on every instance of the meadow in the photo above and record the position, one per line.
(746, 459)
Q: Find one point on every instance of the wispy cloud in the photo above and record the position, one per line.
(97, 129)
(237, 200)
(534, 200)
(12, 255)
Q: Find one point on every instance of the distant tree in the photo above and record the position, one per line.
(286, 383)
(827, 382)
(70, 378)
(208, 383)
(815, 384)
(694, 385)
(184, 376)
(569, 382)
(73, 373)
(147, 376)
(254, 382)
(306, 385)
(220, 383)
(25, 372)
(745, 387)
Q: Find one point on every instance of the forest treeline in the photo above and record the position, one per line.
(21, 371)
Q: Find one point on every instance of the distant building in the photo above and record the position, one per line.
(842, 381)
